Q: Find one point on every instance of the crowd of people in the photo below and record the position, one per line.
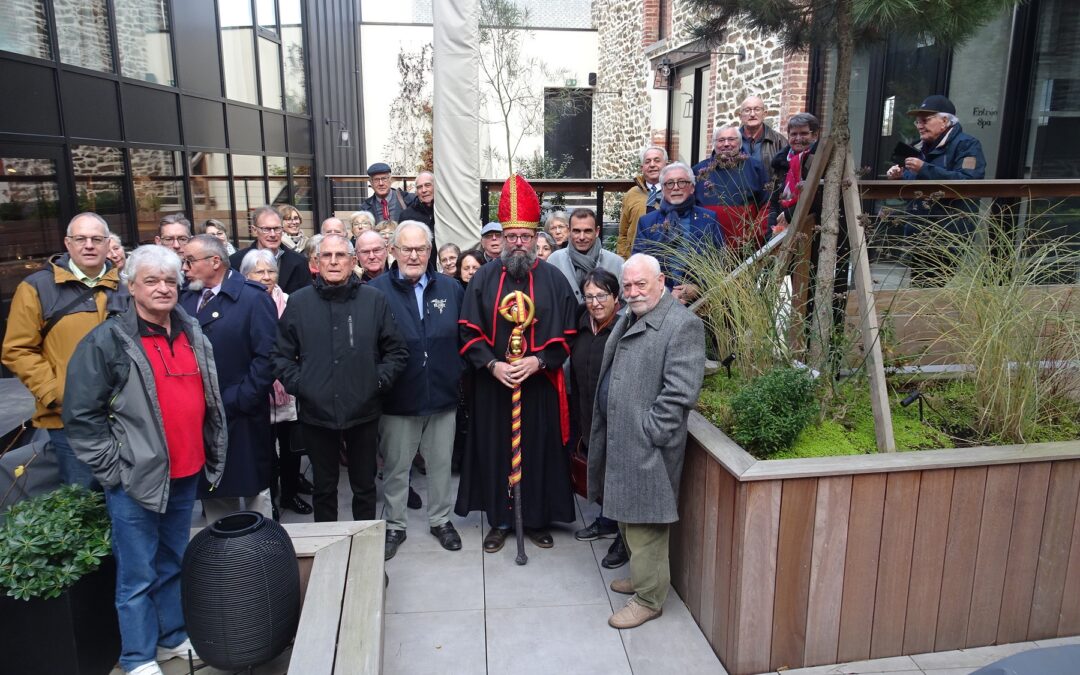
(190, 371)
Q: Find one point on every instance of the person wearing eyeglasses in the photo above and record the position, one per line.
(51, 311)
(733, 185)
(642, 198)
(420, 409)
(144, 411)
(759, 140)
(585, 252)
(240, 320)
(545, 426)
(339, 352)
(293, 238)
(676, 230)
(174, 230)
(386, 202)
(267, 229)
(600, 289)
(371, 254)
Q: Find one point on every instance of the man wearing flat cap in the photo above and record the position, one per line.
(517, 289)
(387, 203)
(944, 152)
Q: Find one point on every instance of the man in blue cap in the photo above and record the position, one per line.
(388, 202)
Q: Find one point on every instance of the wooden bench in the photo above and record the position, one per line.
(343, 598)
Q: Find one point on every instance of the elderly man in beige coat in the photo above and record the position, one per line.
(650, 379)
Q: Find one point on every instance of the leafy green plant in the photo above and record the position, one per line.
(51, 541)
(770, 411)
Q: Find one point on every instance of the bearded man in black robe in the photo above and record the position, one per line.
(545, 485)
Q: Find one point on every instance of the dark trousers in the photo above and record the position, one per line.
(324, 446)
(287, 467)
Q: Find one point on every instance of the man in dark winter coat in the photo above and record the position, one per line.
(424, 208)
(420, 411)
(339, 351)
(239, 319)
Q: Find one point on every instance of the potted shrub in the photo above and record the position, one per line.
(58, 581)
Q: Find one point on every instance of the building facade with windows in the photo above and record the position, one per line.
(140, 108)
(1016, 86)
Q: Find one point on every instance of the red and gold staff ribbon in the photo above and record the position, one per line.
(517, 308)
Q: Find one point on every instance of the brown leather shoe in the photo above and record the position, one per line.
(633, 615)
(495, 539)
(624, 586)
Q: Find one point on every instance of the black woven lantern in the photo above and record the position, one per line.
(241, 591)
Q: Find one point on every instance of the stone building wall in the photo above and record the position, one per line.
(621, 121)
(630, 36)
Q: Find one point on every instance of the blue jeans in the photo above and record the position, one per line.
(73, 471)
(149, 548)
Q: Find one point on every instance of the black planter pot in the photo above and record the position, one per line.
(76, 633)
(241, 591)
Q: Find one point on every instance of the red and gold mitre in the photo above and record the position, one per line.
(518, 204)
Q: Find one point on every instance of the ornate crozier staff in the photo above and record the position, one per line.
(518, 309)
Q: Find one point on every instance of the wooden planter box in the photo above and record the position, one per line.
(804, 562)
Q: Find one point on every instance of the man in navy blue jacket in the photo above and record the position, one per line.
(420, 411)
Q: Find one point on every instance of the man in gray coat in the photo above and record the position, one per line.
(650, 379)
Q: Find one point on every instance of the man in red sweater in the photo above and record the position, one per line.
(146, 445)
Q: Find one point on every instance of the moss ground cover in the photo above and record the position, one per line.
(846, 427)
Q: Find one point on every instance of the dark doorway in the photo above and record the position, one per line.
(568, 130)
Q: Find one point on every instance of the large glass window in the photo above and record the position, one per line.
(977, 85)
(99, 183)
(24, 28)
(158, 180)
(292, 47)
(249, 186)
(302, 197)
(143, 37)
(1052, 128)
(29, 225)
(238, 50)
(82, 31)
(210, 189)
(270, 72)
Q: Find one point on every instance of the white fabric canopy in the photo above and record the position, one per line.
(456, 123)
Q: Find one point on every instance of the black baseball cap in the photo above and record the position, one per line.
(933, 104)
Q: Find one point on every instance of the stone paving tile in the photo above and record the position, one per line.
(1057, 642)
(559, 640)
(969, 658)
(431, 643)
(563, 575)
(434, 581)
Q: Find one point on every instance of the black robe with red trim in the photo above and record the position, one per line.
(485, 469)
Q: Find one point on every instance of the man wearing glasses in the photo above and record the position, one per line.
(147, 417)
(240, 320)
(293, 271)
(371, 255)
(677, 231)
(387, 203)
(174, 230)
(545, 427)
(420, 410)
(759, 140)
(51, 311)
(338, 352)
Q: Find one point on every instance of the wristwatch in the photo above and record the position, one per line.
(540, 361)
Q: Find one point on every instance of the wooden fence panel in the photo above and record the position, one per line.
(958, 575)
(725, 536)
(827, 569)
(860, 567)
(1057, 528)
(756, 584)
(694, 528)
(793, 555)
(894, 563)
(1023, 560)
(928, 561)
(709, 548)
(993, 553)
(1069, 623)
